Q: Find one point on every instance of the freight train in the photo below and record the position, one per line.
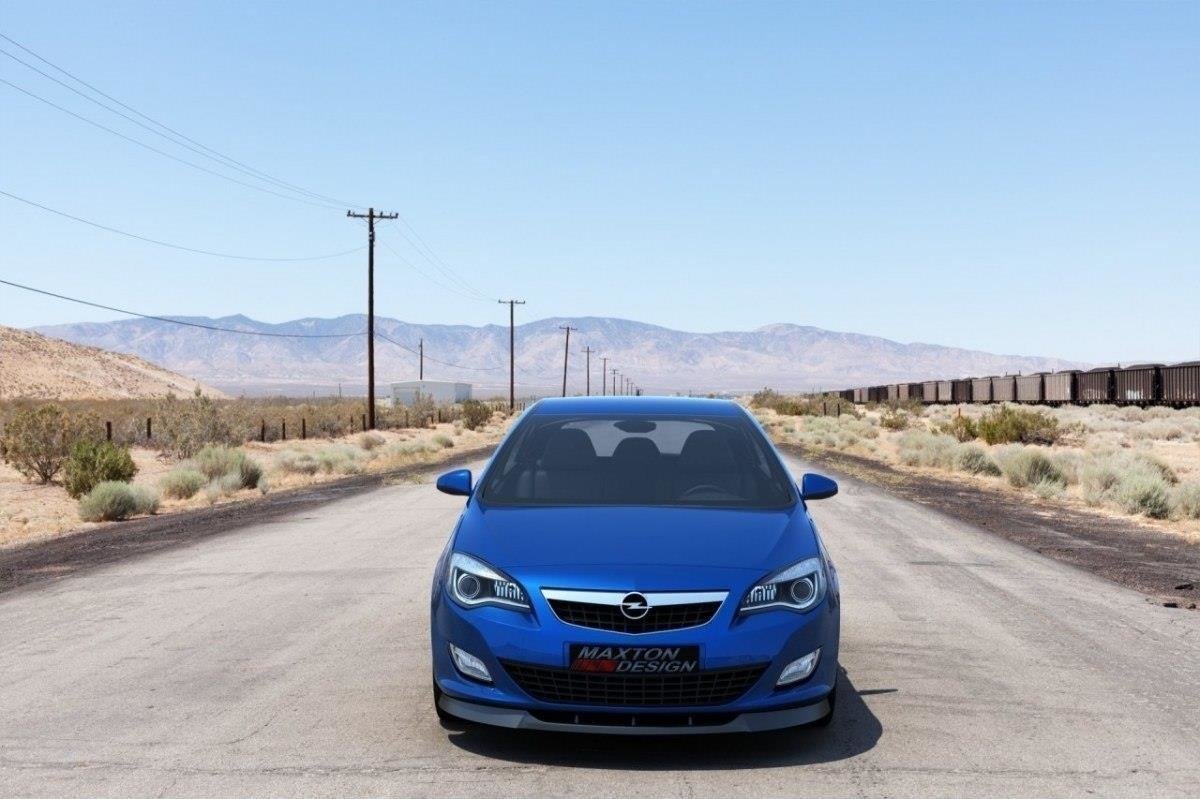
(1176, 385)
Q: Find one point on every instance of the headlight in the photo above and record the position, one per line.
(798, 587)
(472, 583)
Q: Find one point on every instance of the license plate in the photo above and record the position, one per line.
(606, 659)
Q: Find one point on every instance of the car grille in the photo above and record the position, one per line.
(695, 689)
(609, 617)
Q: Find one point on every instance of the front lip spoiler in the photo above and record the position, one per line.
(517, 719)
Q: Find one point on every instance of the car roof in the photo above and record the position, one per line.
(648, 405)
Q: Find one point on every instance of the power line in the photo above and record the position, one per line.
(429, 277)
(429, 255)
(215, 154)
(181, 322)
(163, 153)
(197, 250)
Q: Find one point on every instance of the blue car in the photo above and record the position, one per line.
(635, 565)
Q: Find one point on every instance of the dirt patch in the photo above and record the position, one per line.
(96, 546)
(1165, 567)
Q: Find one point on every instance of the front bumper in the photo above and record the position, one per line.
(633, 724)
(539, 638)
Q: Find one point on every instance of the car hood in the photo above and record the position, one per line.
(609, 540)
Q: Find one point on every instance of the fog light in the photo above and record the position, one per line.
(798, 669)
(470, 666)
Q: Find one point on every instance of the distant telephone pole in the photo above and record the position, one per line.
(614, 374)
(587, 385)
(512, 352)
(421, 361)
(566, 352)
(604, 376)
(371, 216)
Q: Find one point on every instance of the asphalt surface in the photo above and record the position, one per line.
(289, 658)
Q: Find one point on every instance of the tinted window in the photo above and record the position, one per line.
(712, 461)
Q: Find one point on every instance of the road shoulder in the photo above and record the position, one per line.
(66, 555)
(1165, 568)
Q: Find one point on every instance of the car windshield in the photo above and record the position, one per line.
(706, 461)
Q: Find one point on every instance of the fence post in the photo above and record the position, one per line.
(262, 432)
(149, 431)
(824, 409)
(283, 429)
(839, 410)
(438, 411)
(303, 429)
(108, 431)
(406, 417)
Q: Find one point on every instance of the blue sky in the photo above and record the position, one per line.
(1019, 177)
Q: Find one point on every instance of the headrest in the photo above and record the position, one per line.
(569, 448)
(637, 449)
(705, 449)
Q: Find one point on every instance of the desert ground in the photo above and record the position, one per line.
(1137, 463)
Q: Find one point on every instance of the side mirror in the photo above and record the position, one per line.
(456, 483)
(816, 486)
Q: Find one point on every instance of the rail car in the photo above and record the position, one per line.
(1176, 385)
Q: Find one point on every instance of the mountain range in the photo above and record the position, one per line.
(333, 356)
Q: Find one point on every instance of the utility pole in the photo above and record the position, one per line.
(421, 361)
(587, 385)
(512, 353)
(604, 376)
(566, 352)
(371, 216)
(614, 374)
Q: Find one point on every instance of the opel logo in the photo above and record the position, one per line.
(634, 606)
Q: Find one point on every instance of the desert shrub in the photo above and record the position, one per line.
(445, 442)
(295, 462)
(974, 459)
(1070, 464)
(1144, 493)
(184, 427)
(475, 414)
(370, 441)
(1187, 500)
(264, 485)
(339, 460)
(894, 419)
(1148, 463)
(113, 500)
(1049, 489)
(1028, 466)
(217, 462)
(95, 462)
(928, 449)
(37, 441)
(962, 428)
(182, 483)
(1008, 425)
(1099, 477)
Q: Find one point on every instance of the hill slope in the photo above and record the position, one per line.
(784, 356)
(33, 366)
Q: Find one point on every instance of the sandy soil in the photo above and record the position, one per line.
(34, 512)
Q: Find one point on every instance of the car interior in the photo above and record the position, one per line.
(635, 462)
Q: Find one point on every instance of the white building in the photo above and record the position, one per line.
(439, 391)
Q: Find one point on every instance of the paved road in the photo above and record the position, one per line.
(290, 658)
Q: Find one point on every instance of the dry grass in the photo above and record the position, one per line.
(1118, 460)
(30, 512)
